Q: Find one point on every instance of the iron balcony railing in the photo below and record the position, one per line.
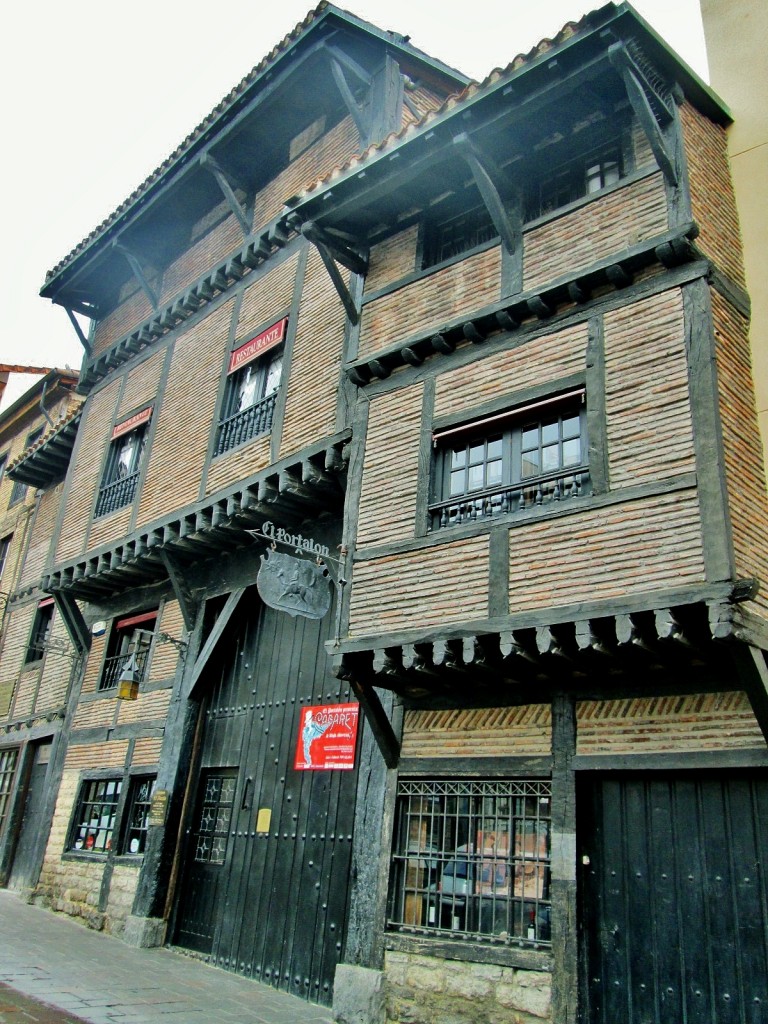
(113, 667)
(245, 424)
(511, 498)
(117, 494)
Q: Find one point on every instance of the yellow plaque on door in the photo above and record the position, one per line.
(263, 819)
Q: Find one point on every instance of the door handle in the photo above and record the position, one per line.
(247, 795)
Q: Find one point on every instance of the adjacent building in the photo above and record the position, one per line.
(412, 547)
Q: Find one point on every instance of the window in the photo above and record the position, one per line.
(452, 232)
(253, 379)
(94, 821)
(19, 490)
(121, 474)
(3, 464)
(527, 457)
(137, 815)
(8, 759)
(213, 816)
(471, 860)
(128, 649)
(5, 546)
(580, 176)
(41, 630)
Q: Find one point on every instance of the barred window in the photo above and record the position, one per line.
(94, 820)
(121, 473)
(471, 860)
(450, 232)
(128, 648)
(575, 178)
(527, 457)
(213, 816)
(253, 382)
(41, 630)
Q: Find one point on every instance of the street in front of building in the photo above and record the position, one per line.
(55, 971)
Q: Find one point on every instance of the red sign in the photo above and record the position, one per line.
(256, 346)
(327, 738)
(132, 422)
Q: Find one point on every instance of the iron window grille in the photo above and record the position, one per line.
(471, 861)
(249, 401)
(93, 825)
(121, 475)
(139, 802)
(41, 631)
(451, 233)
(19, 490)
(129, 645)
(526, 458)
(8, 761)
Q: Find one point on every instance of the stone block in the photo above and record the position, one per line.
(358, 995)
(144, 932)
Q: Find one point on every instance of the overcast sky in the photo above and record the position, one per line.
(97, 94)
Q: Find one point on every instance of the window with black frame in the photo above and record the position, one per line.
(253, 380)
(19, 489)
(93, 824)
(524, 458)
(563, 179)
(8, 762)
(128, 647)
(137, 814)
(121, 473)
(471, 860)
(41, 631)
(449, 231)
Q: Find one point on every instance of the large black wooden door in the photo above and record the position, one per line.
(265, 882)
(674, 899)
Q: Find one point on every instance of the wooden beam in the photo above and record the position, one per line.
(135, 266)
(636, 87)
(351, 65)
(377, 719)
(563, 862)
(339, 284)
(753, 672)
(73, 619)
(340, 251)
(79, 331)
(347, 95)
(213, 638)
(487, 178)
(181, 591)
(227, 183)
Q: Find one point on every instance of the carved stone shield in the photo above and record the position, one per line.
(294, 585)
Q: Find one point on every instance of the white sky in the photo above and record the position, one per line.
(97, 94)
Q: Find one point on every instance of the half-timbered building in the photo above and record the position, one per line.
(430, 399)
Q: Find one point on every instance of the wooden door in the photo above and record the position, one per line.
(264, 887)
(674, 899)
(27, 857)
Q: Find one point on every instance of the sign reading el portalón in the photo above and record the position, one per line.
(327, 738)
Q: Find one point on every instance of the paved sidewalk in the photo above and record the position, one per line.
(97, 978)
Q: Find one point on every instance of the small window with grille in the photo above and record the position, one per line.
(471, 860)
(94, 821)
(531, 456)
(450, 232)
(41, 631)
(575, 178)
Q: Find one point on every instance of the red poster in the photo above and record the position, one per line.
(327, 738)
(258, 345)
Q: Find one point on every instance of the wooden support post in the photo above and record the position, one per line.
(181, 592)
(73, 619)
(138, 271)
(563, 862)
(378, 721)
(227, 184)
(213, 638)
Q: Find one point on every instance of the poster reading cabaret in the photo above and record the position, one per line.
(327, 737)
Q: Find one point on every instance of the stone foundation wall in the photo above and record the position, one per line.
(427, 990)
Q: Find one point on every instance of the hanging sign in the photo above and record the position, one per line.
(327, 738)
(294, 585)
(256, 346)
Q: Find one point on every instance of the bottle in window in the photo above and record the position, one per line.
(531, 930)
